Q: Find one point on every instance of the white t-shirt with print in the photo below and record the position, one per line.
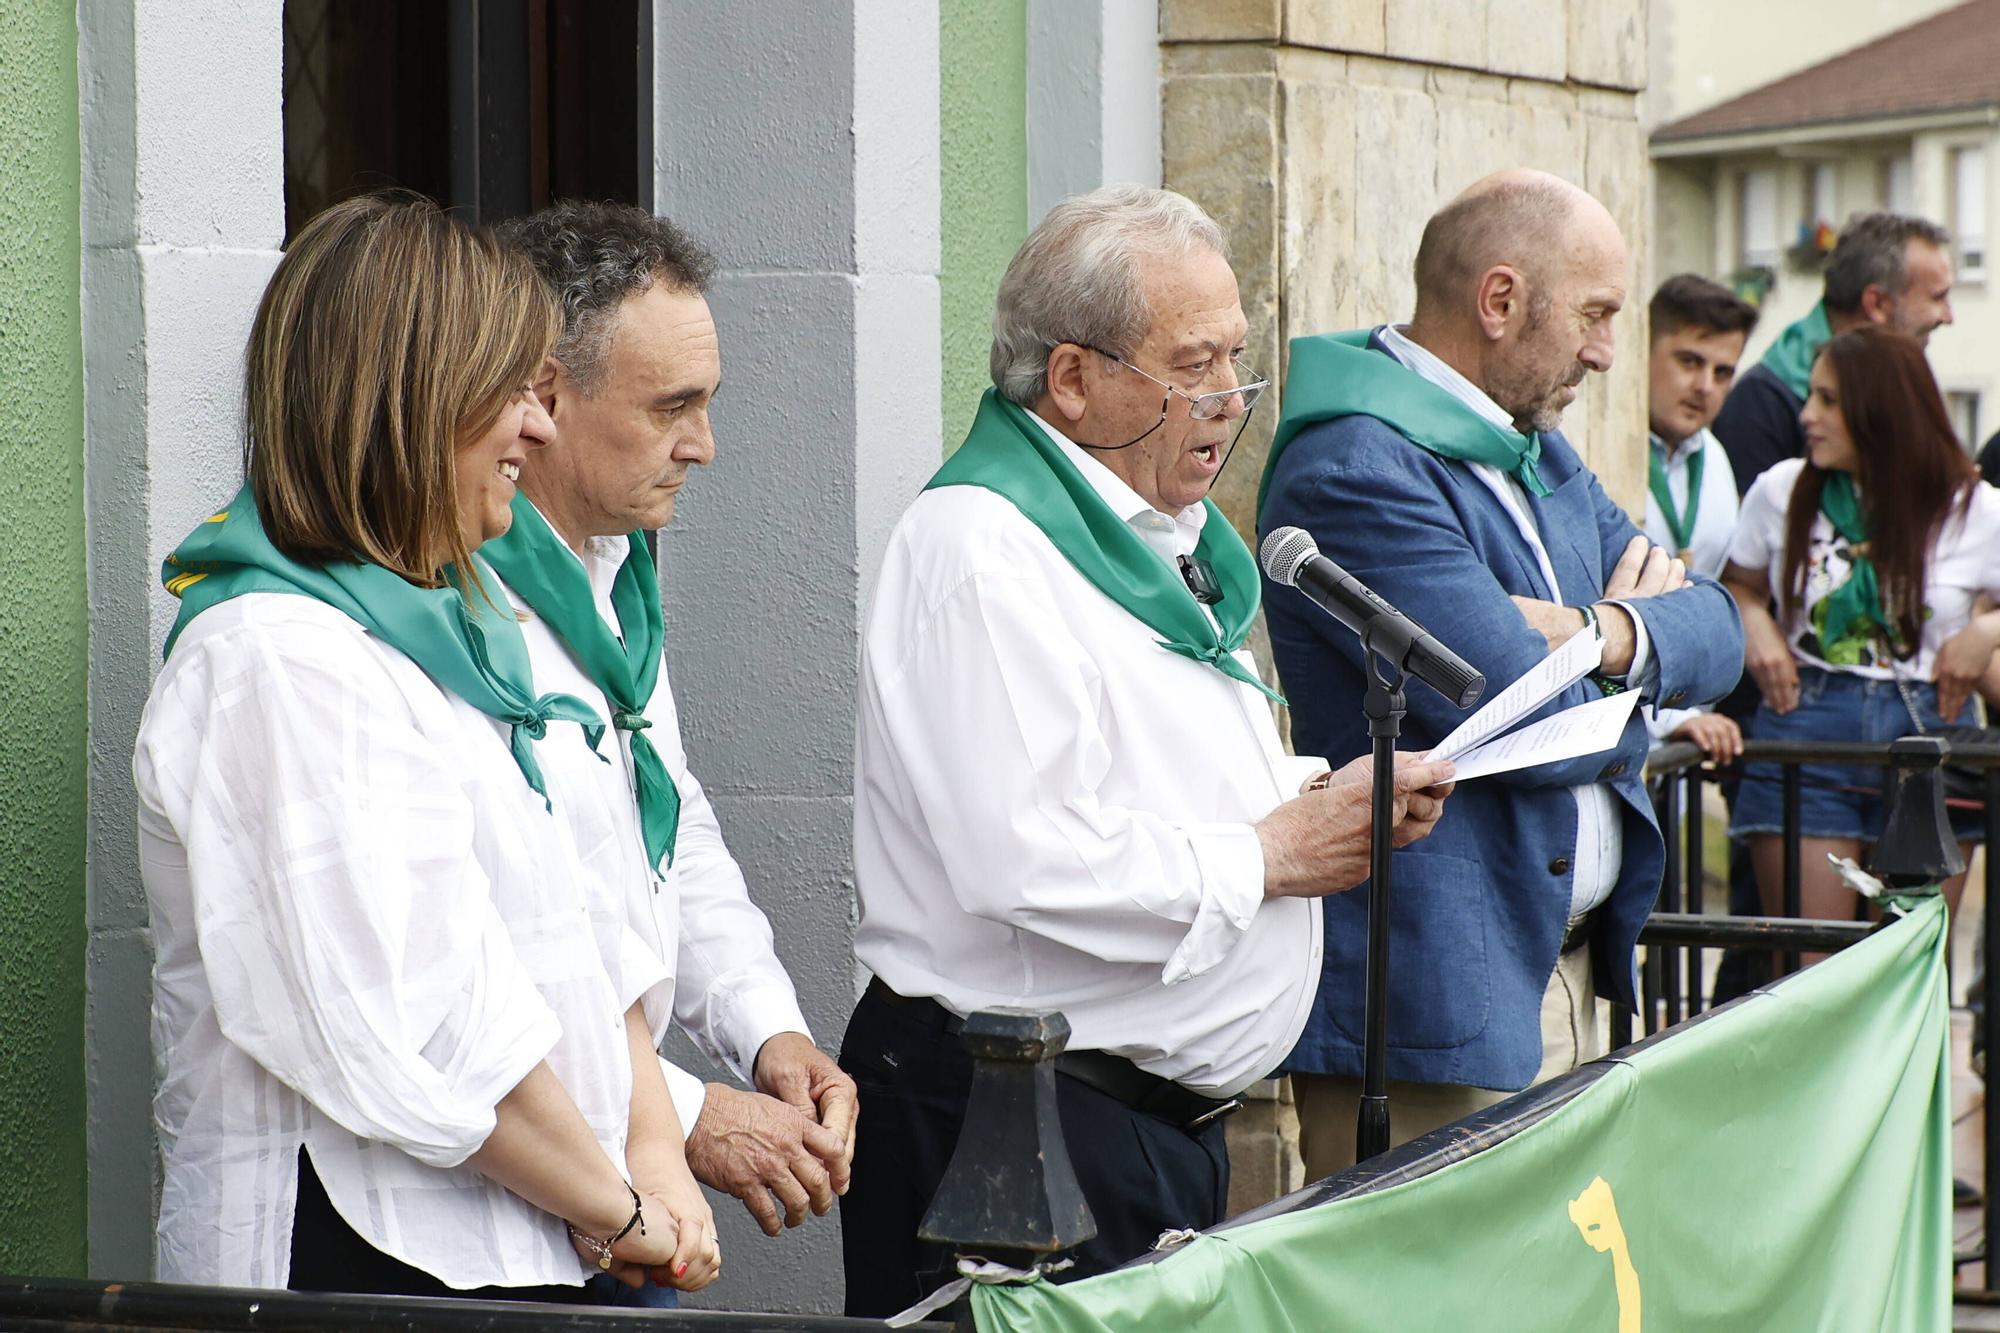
(1965, 563)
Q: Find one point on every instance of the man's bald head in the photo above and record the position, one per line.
(1527, 220)
(1518, 280)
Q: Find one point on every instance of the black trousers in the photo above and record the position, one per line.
(1140, 1175)
(329, 1255)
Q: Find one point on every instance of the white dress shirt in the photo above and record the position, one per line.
(728, 989)
(1052, 810)
(367, 929)
(1600, 828)
(1714, 522)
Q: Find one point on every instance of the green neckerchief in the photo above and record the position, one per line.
(1339, 375)
(1008, 454)
(476, 653)
(1857, 603)
(546, 574)
(1791, 357)
(1679, 527)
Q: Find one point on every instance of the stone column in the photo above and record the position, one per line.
(183, 211)
(811, 167)
(1324, 132)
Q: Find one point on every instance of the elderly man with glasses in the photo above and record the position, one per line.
(1069, 788)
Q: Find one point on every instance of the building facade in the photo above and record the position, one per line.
(1753, 190)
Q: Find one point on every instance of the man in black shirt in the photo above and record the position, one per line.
(1886, 269)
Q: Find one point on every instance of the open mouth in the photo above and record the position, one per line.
(511, 471)
(1209, 454)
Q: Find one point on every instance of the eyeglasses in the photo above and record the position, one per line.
(1201, 406)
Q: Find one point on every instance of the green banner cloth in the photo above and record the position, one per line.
(474, 652)
(1008, 454)
(1334, 375)
(1782, 1165)
(1791, 356)
(542, 570)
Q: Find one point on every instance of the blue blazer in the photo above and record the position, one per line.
(1479, 907)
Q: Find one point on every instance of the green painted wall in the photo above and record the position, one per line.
(983, 126)
(43, 643)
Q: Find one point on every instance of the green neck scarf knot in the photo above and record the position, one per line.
(543, 571)
(1009, 454)
(1333, 375)
(473, 652)
(1854, 609)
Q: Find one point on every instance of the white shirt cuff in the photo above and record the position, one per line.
(687, 1091)
(752, 1015)
(1231, 860)
(1642, 649)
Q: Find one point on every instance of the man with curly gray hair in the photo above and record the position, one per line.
(1069, 790)
(629, 388)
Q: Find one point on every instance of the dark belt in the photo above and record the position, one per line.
(1578, 935)
(1113, 1075)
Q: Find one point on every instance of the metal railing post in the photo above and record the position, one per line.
(1010, 1194)
(1794, 907)
(1696, 885)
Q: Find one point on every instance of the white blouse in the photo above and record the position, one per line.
(1052, 810)
(1964, 563)
(367, 929)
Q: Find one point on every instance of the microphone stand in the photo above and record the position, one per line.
(1385, 647)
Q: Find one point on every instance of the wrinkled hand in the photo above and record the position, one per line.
(1554, 622)
(1645, 570)
(756, 1147)
(1317, 843)
(1962, 664)
(1719, 737)
(801, 1075)
(1768, 659)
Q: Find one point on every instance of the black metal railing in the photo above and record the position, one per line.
(1916, 848)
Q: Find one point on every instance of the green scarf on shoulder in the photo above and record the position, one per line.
(1008, 454)
(1332, 375)
(1791, 356)
(541, 569)
(1854, 609)
(476, 653)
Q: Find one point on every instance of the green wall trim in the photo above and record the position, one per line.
(983, 186)
(44, 643)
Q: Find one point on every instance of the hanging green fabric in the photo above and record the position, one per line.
(1791, 356)
(542, 570)
(1680, 526)
(476, 653)
(1008, 454)
(1856, 605)
(1333, 375)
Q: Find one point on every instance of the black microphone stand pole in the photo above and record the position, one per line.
(1384, 708)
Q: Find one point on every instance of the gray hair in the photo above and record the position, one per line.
(1521, 219)
(594, 256)
(1870, 253)
(1076, 279)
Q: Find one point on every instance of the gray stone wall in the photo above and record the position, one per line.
(1324, 132)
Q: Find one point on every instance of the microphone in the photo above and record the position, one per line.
(1291, 557)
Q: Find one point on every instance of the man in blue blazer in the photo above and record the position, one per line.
(1426, 460)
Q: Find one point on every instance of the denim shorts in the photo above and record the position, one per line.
(1836, 800)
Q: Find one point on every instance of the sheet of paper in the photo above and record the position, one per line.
(1564, 667)
(1584, 729)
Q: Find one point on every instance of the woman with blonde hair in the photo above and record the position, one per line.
(401, 1048)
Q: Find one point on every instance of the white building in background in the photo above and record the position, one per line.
(1752, 190)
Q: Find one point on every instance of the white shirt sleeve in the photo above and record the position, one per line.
(348, 934)
(731, 993)
(1760, 523)
(993, 713)
(689, 1094)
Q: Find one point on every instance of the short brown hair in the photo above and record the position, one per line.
(390, 334)
(1690, 301)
